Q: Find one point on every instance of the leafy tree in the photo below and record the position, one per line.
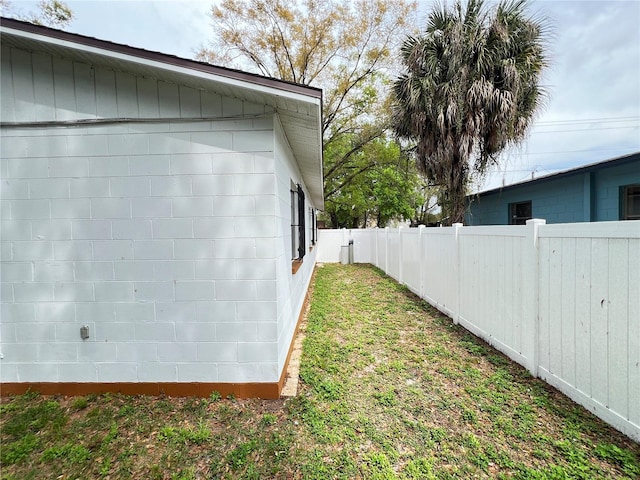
(345, 48)
(386, 191)
(471, 89)
(427, 196)
(53, 13)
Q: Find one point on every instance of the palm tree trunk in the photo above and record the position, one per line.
(458, 206)
(455, 192)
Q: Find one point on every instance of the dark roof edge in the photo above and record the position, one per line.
(553, 176)
(173, 60)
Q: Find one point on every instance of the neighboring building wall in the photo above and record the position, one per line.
(607, 183)
(587, 196)
(557, 201)
(159, 236)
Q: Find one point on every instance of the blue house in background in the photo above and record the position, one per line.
(608, 190)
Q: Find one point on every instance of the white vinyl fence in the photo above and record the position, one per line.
(562, 300)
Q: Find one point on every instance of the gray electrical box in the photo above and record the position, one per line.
(84, 332)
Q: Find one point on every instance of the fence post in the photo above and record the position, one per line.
(530, 306)
(456, 271)
(400, 253)
(375, 232)
(386, 250)
(421, 260)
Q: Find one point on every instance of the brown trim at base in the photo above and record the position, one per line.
(171, 389)
(239, 390)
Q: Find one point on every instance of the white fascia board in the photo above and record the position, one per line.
(164, 66)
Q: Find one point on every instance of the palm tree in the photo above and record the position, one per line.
(471, 89)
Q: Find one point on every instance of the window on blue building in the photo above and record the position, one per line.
(520, 212)
(630, 202)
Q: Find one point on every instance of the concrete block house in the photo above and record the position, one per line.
(158, 219)
(603, 191)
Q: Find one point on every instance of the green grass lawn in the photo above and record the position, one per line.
(390, 389)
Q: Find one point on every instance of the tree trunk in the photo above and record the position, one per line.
(456, 200)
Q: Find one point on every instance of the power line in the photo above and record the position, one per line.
(586, 129)
(589, 120)
(577, 151)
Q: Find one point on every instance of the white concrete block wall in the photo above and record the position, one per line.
(291, 288)
(161, 237)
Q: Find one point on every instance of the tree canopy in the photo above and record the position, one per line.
(471, 88)
(346, 48)
(388, 189)
(52, 13)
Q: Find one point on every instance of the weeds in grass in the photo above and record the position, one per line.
(80, 403)
(268, 419)
(68, 453)
(18, 450)
(180, 435)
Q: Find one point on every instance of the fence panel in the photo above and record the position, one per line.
(439, 265)
(634, 332)
(490, 285)
(410, 258)
(393, 253)
(329, 244)
(381, 236)
(362, 245)
(589, 311)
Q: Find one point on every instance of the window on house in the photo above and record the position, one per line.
(313, 225)
(630, 202)
(520, 212)
(297, 222)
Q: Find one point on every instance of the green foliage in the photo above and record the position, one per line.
(34, 418)
(629, 463)
(111, 435)
(420, 468)
(380, 186)
(180, 435)
(239, 456)
(378, 467)
(18, 450)
(386, 398)
(69, 453)
(268, 419)
(80, 403)
(187, 474)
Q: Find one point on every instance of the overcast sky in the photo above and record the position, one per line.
(593, 112)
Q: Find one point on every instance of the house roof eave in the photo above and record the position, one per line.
(299, 105)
